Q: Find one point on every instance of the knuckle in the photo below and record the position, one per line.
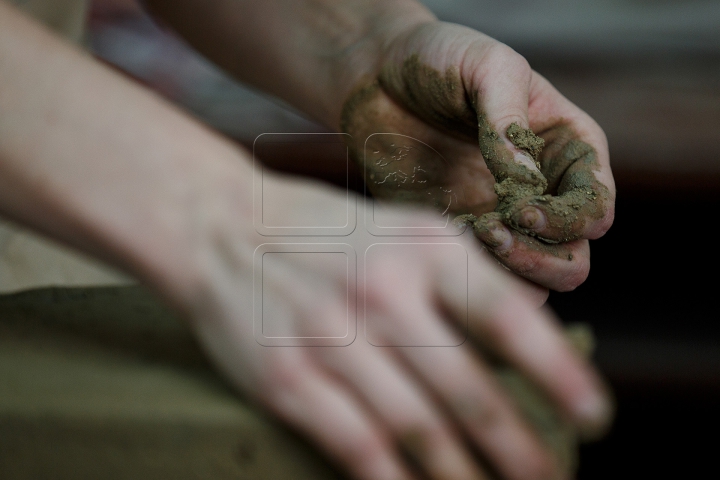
(502, 56)
(601, 226)
(526, 264)
(282, 378)
(365, 451)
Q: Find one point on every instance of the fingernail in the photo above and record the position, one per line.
(595, 413)
(526, 160)
(495, 235)
(530, 217)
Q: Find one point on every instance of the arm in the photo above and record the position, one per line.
(90, 158)
(310, 53)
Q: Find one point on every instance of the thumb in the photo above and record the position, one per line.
(498, 80)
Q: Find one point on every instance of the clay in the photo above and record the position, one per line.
(571, 196)
(437, 98)
(526, 140)
(360, 96)
(396, 166)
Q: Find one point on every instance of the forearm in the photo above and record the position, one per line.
(91, 158)
(310, 53)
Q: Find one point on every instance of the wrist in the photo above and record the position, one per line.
(359, 61)
(196, 227)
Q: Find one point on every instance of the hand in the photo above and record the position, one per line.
(441, 89)
(366, 405)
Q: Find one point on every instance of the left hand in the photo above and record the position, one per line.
(441, 89)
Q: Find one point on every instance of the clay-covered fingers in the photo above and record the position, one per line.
(580, 196)
(498, 79)
(509, 326)
(580, 206)
(560, 267)
(428, 439)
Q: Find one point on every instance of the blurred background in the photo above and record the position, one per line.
(649, 72)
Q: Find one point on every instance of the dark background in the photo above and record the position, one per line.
(651, 299)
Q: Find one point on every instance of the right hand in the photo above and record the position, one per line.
(364, 405)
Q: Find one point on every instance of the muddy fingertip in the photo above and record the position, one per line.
(494, 234)
(530, 217)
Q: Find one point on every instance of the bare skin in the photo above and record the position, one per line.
(94, 160)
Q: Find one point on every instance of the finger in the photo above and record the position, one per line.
(575, 162)
(502, 320)
(537, 294)
(499, 81)
(561, 267)
(329, 415)
(470, 393)
(479, 404)
(582, 206)
(423, 434)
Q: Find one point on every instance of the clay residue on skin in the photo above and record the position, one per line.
(360, 96)
(574, 195)
(437, 98)
(571, 196)
(513, 181)
(525, 139)
(564, 187)
(519, 184)
(396, 167)
(485, 226)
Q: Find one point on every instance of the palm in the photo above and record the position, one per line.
(405, 158)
